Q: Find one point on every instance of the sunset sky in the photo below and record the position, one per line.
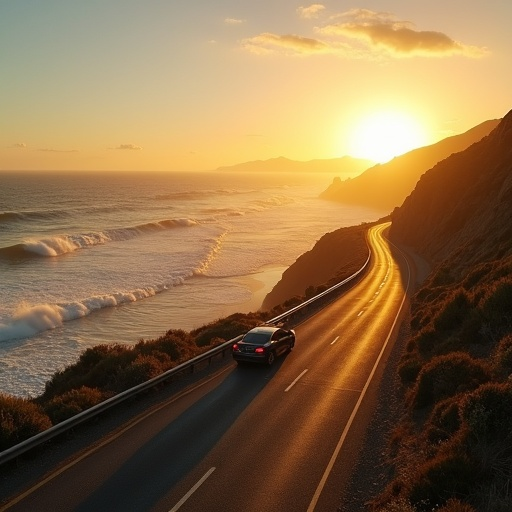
(198, 84)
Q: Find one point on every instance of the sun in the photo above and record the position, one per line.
(386, 134)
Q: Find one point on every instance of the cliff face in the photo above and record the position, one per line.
(335, 256)
(386, 186)
(462, 207)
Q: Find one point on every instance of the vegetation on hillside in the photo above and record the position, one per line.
(453, 450)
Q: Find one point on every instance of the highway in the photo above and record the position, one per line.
(260, 439)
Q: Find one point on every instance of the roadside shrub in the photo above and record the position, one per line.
(408, 370)
(503, 356)
(447, 375)
(455, 505)
(426, 340)
(19, 420)
(487, 412)
(449, 475)
(444, 421)
(487, 417)
(95, 368)
(454, 311)
(497, 304)
(227, 328)
(143, 368)
(175, 343)
(72, 402)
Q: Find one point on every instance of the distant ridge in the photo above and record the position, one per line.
(346, 165)
(386, 185)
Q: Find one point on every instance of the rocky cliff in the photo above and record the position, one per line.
(462, 207)
(386, 186)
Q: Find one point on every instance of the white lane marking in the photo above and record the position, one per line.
(344, 434)
(295, 381)
(192, 491)
(335, 340)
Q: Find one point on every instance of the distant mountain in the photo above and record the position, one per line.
(346, 166)
(463, 205)
(386, 185)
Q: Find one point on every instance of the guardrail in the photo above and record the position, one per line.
(64, 426)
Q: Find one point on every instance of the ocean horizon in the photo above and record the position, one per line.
(115, 257)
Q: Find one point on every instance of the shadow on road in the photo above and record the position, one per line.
(158, 465)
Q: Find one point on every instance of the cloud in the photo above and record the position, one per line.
(362, 33)
(313, 11)
(267, 43)
(50, 150)
(233, 21)
(19, 145)
(382, 30)
(129, 147)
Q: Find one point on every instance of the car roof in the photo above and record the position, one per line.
(265, 329)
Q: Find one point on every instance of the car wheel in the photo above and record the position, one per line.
(271, 358)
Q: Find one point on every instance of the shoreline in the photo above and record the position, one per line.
(259, 284)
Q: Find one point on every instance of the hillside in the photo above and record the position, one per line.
(452, 450)
(462, 206)
(334, 257)
(346, 166)
(386, 185)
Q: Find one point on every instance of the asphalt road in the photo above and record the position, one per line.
(280, 438)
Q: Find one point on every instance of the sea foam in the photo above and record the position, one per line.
(28, 320)
(63, 244)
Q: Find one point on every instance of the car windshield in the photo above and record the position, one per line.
(257, 338)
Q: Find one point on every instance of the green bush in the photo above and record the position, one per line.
(19, 420)
(72, 402)
(447, 375)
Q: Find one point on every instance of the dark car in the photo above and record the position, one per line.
(263, 344)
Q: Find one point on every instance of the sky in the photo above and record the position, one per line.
(198, 84)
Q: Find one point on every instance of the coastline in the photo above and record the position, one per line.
(259, 284)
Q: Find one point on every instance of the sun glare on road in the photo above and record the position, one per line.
(384, 135)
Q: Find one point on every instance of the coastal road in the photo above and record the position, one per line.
(280, 438)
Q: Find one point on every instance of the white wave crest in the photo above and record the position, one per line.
(212, 254)
(29, 320)
(63, 244)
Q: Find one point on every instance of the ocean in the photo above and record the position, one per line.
(114, 257)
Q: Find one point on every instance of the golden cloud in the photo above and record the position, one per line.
(377, 33)
(267, 42)
(384, 31)
(233, 21)
(312, 11)
(129, 147)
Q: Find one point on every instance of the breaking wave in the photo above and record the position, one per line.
(63, 244)
(29, 320)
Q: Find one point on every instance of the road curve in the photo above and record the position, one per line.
(251, 438)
